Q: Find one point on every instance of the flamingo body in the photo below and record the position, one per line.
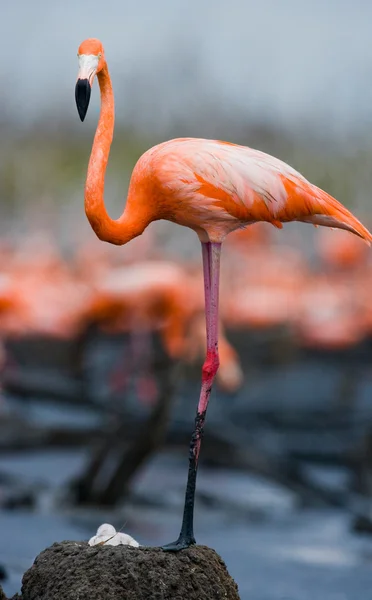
(215, 187)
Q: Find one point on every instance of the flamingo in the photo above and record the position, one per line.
(212, 187)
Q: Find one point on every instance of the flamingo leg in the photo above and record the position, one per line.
(211, 267)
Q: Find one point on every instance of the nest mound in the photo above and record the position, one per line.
(71, 570)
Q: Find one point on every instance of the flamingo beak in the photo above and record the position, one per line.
(88, 64)
(82, 96)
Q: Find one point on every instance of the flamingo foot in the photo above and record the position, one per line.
(183, 542)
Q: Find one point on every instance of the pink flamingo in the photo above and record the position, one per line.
(214, 188)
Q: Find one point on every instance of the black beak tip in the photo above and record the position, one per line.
(81, 114)
(82, 97)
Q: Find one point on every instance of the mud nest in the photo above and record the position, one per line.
(70, 570)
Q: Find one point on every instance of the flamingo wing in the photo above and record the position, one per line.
(245, 185)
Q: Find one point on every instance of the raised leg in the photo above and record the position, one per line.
(211, 267)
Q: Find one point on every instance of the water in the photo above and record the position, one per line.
(273, 550)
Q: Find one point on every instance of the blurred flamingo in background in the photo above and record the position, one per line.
(329, 314)
(160, 296)
(332, 311)
(147, 296)
(139, 299)
(212, 187)
(343, 251)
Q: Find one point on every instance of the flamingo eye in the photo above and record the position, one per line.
(99, 55)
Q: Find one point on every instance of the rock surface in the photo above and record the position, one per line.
(70, 570)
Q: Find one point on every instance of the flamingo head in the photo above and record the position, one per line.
(91, 58)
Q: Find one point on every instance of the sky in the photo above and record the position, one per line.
(283, 60)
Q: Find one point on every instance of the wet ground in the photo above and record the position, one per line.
(273, 549)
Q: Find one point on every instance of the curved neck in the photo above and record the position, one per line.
(118, 231)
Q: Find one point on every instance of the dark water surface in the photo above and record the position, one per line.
(273, 550)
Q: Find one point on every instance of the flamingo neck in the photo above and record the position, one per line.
(124, 229)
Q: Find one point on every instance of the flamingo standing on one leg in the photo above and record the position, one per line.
(210, 186)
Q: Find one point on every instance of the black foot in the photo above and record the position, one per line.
(182, 543)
